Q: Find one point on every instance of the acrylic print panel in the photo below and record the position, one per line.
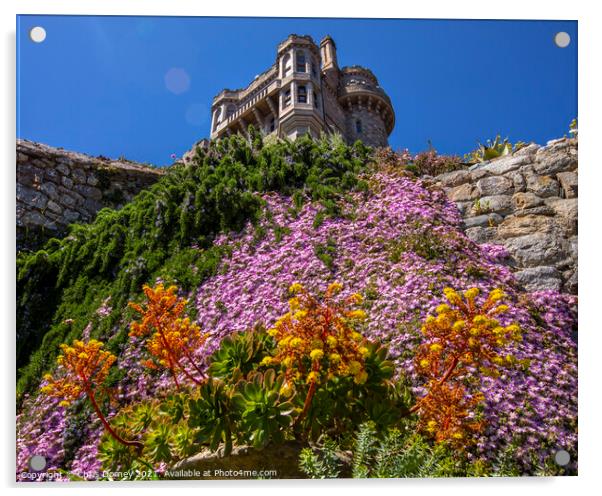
(361, 262)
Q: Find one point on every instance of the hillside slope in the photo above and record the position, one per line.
(312, 213)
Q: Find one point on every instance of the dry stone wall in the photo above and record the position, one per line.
(56, 187)
(526, 202)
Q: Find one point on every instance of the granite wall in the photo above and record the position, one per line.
(526, 202)
(56, 187)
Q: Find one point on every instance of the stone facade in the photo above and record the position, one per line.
(56, 187)
(526, 202)
(305, 91)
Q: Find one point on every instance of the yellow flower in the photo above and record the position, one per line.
(332, 341)
(294, 304)
(295, 288)
(312, 377)
(64, 403)
(287, 362)
(431, 426)
(356, 298)
(361, 377)
(334, 357)
(335, 287)
(479, 319)
(435, 347)
(458, 325)
(501, 309)
(316, 354)
(356, 336)
(458, 435)
(296, 342)
(266, 361)
(424, 363)
(496, 295)
(273, 331)
(443, 308)
(286, 390)
(357, 314)
(354, 367)
(363, 351)
(472, 293)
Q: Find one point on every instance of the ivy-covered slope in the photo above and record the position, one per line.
(167, 232)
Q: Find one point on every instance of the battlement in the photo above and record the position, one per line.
(305, 91)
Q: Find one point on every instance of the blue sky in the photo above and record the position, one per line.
(98, 84)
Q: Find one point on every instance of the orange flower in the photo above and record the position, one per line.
(463, 336)
(85, 364)
(172, 337)
(316, 340)
(84, 367)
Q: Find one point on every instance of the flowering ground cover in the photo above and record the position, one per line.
(396, 243)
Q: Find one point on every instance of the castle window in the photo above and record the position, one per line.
(287, 98)
(316, 100)
(313, 69)
(358, 126)
(300, 62)
(230, 110)
(272, 125)
(302, 94)
(286, 65)
(216, 118)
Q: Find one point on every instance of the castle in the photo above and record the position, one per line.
(305, 91)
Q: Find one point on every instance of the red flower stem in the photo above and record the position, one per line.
(134, 444)
(306, 405)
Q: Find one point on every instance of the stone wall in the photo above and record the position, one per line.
(56, 187)
(526, 202)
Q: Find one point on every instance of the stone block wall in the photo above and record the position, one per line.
(56, 187)
(526, 202)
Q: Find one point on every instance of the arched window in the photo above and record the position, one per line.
(217, 118)
(358, 126)
(302, 94)
(286, 65)
(231, 109)
(301, 61)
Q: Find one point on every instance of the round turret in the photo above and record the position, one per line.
(368, 110)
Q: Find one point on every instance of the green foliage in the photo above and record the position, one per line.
(239, 353)
(419, 240)
(393, 453)
(322, 463)
(340, 404)
(264, 414)
(166, 231)
(213, 415)
(493, 149)
(326, 252)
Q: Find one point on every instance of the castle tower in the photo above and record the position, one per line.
(330, 67)
(305, 91)
(300, 89)
(369, 114)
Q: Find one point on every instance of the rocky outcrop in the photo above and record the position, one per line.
(526, 202)
(56, 187)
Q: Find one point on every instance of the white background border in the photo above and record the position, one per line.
(590, 317)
